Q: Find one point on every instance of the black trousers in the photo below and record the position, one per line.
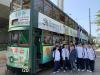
(91, 64)
(86, 64)
(56, 66)
(73, 64)
(80, 63)
(66, 64)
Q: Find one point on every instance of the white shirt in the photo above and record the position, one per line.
(56, 55)
(79, 51)
(92, 54)
(86, 50)
(65, 53)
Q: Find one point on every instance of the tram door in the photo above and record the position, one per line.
(37, 43)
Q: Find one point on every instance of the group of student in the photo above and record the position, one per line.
(79, 57)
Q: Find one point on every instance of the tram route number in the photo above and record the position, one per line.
(25, 70)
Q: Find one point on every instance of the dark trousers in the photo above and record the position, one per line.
(91, 64)
(72, 64)
(86, 63)
(80, 64)
(66, 64)
(56, 65)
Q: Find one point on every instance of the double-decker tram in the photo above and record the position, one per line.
(50, 26)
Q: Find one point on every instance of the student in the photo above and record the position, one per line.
(65, 57)
(80, 53)
(86, 57)
(73, 57)
(61, 61)
(56, 57)
(92, 57)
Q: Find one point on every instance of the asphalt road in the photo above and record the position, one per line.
(49, 72)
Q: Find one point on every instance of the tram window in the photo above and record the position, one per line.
(48, 38)
(66, 20)
(26, 4)
(70, 23)
(16, 4)
(55, 39)
(38, 5)
(23, 37)
(13, 38)
(47, 9)
(62, 17)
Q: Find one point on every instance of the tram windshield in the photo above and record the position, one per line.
(18, 38)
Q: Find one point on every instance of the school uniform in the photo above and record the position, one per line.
(65, 57)
(86, 58)
(92, 57)
(72, 59)
(61, 62)
(80, 54)
(56, 57)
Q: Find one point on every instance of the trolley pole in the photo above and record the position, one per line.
(90, 24)
(32, 52)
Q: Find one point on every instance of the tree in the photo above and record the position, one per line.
(98, 18)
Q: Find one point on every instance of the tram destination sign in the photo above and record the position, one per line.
(20, 18)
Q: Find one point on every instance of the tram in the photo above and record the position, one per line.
(35, 26)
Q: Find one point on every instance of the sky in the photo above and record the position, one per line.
(79, 11)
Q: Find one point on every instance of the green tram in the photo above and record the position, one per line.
(34, 28)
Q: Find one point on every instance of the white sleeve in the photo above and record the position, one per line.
(53, 54)
(63, 54)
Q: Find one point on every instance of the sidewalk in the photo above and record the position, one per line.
(3, 58)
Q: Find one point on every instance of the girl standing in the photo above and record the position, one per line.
(92, 57)
(65, 57)
(56, 57)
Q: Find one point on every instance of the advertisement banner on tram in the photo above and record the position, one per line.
(18, 57)
(47, 54)
(47, 23)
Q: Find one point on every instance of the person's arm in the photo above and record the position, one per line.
(63, 54)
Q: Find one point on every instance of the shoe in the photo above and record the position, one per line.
(54, 72)
(64, 71)
(90, 71)
(57, 71)
(82, 70)
(79, 70)
(87, 70)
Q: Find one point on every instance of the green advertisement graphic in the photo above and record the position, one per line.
(18, 57)
(47, 54)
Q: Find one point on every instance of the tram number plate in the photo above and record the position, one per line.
(25, 70)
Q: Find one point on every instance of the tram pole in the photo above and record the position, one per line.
(32, 46)
(90, 24)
